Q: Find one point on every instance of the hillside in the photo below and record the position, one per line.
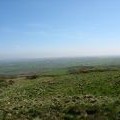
(62, 95)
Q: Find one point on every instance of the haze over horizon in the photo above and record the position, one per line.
(65, 28)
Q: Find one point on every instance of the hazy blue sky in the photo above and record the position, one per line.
(58, 28)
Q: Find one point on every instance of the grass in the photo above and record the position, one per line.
(60, 95)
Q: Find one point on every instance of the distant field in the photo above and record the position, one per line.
(43, 65)
(60, 89)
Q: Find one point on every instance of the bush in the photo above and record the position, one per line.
(3, 83)
(32, 77)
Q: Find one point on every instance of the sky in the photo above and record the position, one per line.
(59, 28)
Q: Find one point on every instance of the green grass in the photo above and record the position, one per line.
(59, 95)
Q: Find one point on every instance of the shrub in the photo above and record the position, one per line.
(32, 77)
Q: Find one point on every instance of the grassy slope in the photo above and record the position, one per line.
(85, 96)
